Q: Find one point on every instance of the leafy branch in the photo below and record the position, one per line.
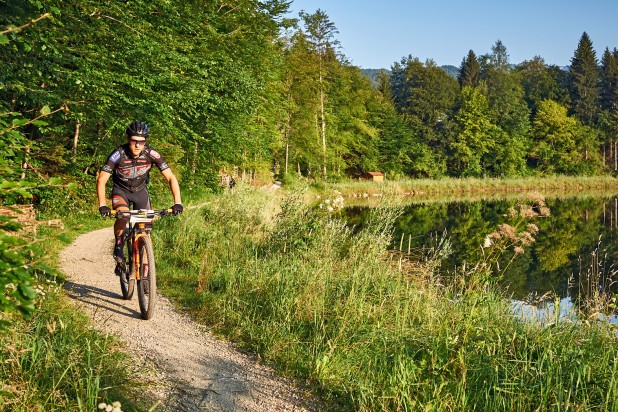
(31, 22)
(45, 111)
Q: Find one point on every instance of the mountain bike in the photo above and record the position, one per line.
(139, 264)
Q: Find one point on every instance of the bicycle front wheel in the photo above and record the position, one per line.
(125, 273)
(147, 283)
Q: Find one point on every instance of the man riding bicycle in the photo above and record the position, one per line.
(129, 166)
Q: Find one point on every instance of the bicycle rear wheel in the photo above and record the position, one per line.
(147, 283)
(127, 282)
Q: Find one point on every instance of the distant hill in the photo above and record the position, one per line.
(372, 74)
(452, 71)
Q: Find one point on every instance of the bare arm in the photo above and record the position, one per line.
(174, 186)
(101, 182)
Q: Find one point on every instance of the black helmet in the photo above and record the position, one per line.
(138, 129)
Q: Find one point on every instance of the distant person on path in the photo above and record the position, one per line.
(130, 164)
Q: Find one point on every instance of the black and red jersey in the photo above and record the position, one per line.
(131, 173)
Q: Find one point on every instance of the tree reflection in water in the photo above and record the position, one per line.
(572, 259)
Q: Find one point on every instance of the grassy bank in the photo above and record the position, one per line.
(428, 188)
(54, 361)
(334, 308)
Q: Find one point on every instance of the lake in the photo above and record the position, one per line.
(573, 255)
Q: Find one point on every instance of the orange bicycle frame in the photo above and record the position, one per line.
(139, 232)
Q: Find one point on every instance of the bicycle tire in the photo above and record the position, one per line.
(147, 284)
(127, 282)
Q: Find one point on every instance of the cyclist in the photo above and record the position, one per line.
(129, 166)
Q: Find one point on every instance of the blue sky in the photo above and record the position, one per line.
(376, 34)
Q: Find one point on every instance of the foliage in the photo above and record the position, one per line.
(561, 143)
(475, 135)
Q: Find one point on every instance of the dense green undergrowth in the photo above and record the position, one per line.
(333, 307)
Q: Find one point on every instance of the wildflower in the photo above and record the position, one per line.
(526, 238)
(537, 198)
(487, 242)
(518, 250)
(544, 211)
(507, 231)
(512, 212)
(532, 228)
(526, 211)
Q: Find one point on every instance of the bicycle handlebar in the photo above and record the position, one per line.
(140, 214)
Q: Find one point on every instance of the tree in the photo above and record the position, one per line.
(584, 78)
(541, 82)
(384, 85)
(509, 112)
(469, 71)
(562, 144)
(608, 117)
(474, 135)
(320, 33)
(499, 58)
(302, 146)
(609, 80)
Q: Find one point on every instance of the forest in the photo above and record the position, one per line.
(243, 86)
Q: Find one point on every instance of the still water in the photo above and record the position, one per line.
(574, 253)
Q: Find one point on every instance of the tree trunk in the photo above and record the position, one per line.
(24, 165)
(287, 154)
(323, 118)
(76, 140)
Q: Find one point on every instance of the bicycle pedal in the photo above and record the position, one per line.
(120, 269)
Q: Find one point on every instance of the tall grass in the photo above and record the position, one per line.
(335, 308)
(470, 187)
(55, 361)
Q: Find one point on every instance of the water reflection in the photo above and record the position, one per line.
(573, 255)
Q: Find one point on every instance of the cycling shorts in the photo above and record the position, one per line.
(124, 198)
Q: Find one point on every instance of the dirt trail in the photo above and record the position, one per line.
(200, 373)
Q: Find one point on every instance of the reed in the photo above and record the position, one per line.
(333, 306)
(422, 188)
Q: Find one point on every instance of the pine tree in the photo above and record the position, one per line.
(469, 71)
(609, 80)
(608, 118)
(585, 78)
(384, 85)
(499, 58)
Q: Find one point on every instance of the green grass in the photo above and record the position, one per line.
(54, 360)
(334, 308)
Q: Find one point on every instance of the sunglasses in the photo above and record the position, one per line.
(137, 142)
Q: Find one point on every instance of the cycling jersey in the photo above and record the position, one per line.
(131, 173)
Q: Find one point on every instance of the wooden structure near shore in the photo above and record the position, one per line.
(374, 176)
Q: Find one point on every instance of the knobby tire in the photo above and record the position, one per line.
(127, 282)
(147, 284)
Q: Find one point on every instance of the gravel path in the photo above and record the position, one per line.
(200, 373)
